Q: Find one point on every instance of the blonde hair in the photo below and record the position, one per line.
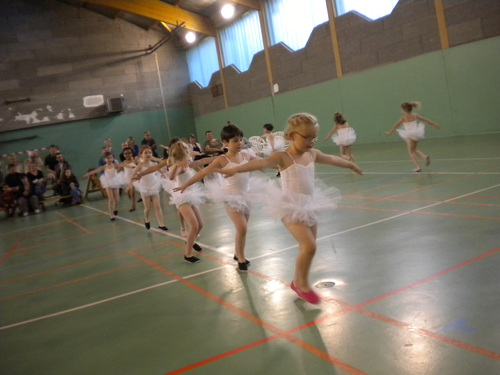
(297, 120)
(179, 151)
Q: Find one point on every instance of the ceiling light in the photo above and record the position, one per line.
(227, 11)
(190, 37)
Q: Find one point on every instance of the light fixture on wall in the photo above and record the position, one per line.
(227, 11)
(190, 37)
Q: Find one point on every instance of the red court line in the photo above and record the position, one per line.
(11, 251)
(74, 223)
(282, 334)
(70, 266)
(358, 308)
(431, 335)
(427, 279)
(81, 279)
(71, 282)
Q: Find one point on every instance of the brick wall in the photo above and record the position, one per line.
(56, 54)
(409, 31)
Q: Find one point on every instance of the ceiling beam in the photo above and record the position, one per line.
(252, 4)
(160, 11)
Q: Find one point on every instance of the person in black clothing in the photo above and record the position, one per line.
(149, 141)
(18, 185)
(37, 181)
(61, 167)
(51, 162)
(70, 186)
(195, 148)
(11, 186)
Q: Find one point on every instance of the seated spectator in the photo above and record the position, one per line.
(51, 162)
(62, 165)
(149, 141)
(70, 186)
(37, 181)
(195, 148)
(33, 158)
(28, 201)
(133, 145)
(12, 160)
(17, 192)
(12, 188)
(212, 146)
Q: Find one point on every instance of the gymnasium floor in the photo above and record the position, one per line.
(415, 259)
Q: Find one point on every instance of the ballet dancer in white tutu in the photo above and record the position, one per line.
(299, 202)
(181, 169)
(412, 132)
(344, 138)
(236, 192)
(111, 180)
(149, 187)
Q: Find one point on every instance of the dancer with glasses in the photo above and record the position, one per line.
(300, 201)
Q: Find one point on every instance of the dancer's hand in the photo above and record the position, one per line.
(182, 164)
(180, 188)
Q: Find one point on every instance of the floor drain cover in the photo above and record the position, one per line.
(325, 284)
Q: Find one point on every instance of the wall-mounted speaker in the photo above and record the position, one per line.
(115, 105)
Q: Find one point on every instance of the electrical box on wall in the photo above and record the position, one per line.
(115, 105)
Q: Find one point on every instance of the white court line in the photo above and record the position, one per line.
(166, 233)
(433, 160)
(221, 267)
(103, 301)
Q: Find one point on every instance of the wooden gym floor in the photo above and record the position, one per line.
(407, 267)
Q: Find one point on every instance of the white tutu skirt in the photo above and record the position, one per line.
(344, 137)
(195, 195)
(302, 208)
(415, 132)
(279, 145)
(249, 151)
(244, 203)
(148, 185)
(124, 177)
(166, 184)
(114, 181)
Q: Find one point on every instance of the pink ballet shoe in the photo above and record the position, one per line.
(310, 297)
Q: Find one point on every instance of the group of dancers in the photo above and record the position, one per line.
(413, 131)
(295, 199)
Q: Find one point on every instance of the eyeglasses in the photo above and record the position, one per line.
(308, 139)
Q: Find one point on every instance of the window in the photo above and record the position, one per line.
(241, 41)
(292, 21)
(372, 9)
(202, 61)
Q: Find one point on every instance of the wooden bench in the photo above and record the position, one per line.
(94, 185)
